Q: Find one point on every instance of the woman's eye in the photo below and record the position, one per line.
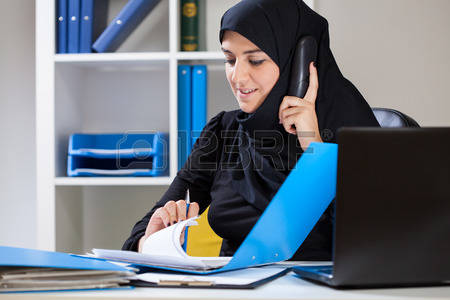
(230, 61)
(256, 62)
(252, 62)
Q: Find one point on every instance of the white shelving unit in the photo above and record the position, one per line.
(131, 90)
(114, 181)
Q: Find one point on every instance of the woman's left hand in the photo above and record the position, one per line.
(301, 113)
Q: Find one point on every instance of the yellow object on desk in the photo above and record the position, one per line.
(202, 240)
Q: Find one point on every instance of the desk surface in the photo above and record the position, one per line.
(289, 286)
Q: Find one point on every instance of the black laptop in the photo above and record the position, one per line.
(392, 225)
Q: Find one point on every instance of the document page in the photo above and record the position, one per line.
(163, 248)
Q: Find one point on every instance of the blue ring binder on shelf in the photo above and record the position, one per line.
(118, 155)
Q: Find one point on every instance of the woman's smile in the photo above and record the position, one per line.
(245, 94)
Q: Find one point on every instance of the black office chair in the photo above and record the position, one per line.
(393, 118)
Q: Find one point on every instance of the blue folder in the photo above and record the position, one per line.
(199, 100)
(73, 30)
(290, 216)
(61, 22)
(86, 22)
(184, 113)
(22, 257)
(131, 15)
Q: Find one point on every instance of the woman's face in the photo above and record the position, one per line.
(250, 72)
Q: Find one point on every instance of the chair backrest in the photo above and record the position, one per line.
(393, 118)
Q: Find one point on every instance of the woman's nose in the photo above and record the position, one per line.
(240, 73)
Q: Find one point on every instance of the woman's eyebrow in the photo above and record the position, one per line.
(245, 52)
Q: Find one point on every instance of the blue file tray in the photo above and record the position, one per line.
(118, 155)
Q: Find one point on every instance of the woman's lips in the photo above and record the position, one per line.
(247, 95)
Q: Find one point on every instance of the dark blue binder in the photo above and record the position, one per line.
(73, 34)
(131, 15)
(184, 113)
(100, 18)
(86, 22)
(61, 22)
(199, 100)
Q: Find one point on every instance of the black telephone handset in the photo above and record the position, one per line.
(305, 53)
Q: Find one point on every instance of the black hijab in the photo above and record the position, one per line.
(267, 152)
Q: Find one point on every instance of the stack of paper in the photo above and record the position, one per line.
(14, 279)
(35, 270)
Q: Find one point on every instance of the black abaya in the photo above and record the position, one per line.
(241, 160)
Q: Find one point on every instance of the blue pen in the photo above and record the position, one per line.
(188, 202)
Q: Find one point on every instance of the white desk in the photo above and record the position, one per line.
(286, 287)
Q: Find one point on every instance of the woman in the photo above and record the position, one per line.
(243, 156)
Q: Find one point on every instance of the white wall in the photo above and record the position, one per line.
(17, 136)
(395, 52)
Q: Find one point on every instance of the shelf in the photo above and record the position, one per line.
(111, 181)
(201, 55)
(108, 58)
(158, 59)
(78, 58)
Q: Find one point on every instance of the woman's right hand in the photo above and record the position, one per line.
(171, 213)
